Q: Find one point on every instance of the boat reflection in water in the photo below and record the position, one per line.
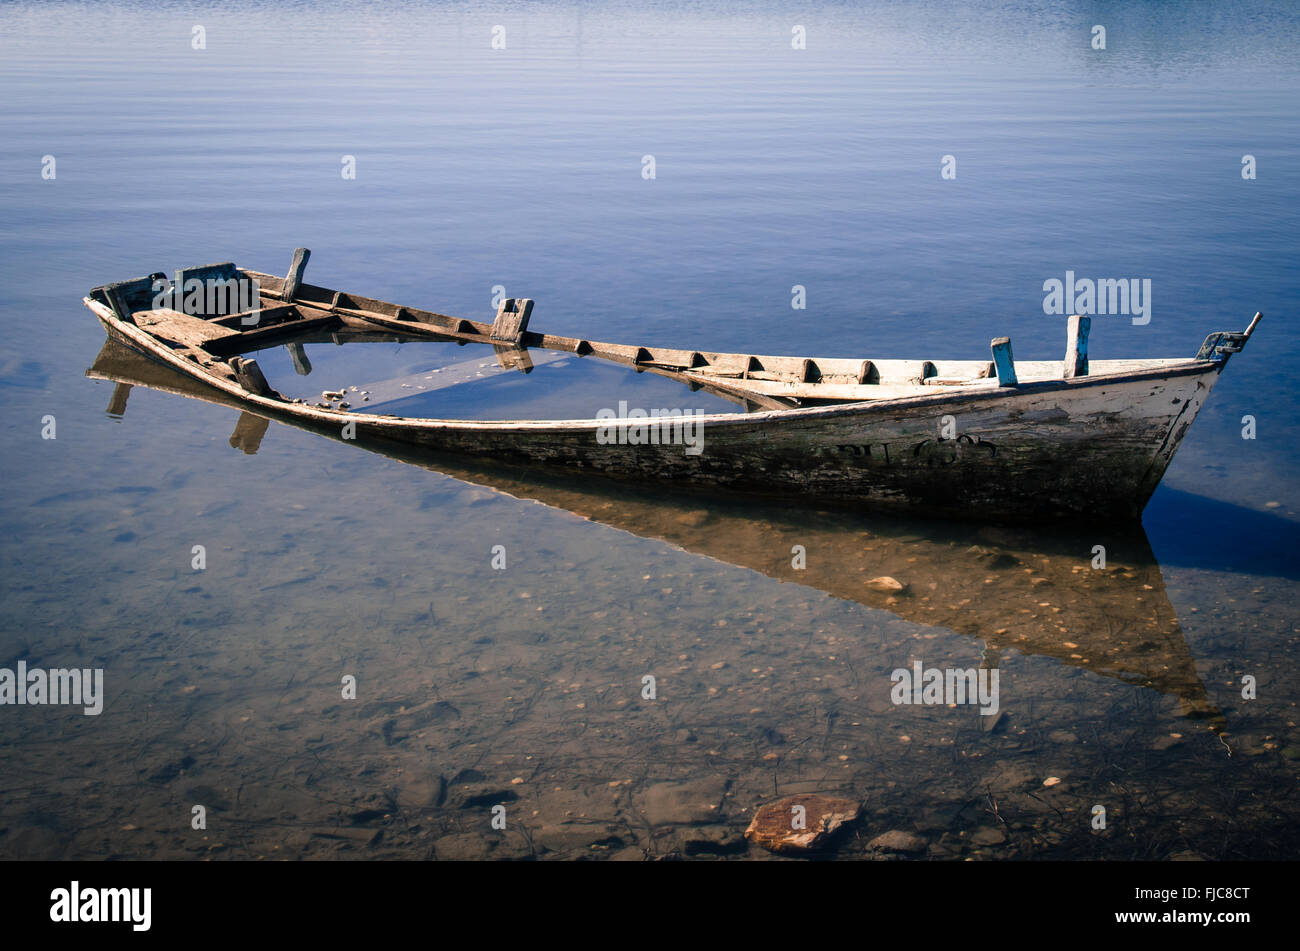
(1037, 592)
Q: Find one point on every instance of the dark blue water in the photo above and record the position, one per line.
(522, 168)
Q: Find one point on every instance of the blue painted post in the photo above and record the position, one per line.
(1002, 360)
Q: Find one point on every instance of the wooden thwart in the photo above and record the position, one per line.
(259, 317)
(243, 342)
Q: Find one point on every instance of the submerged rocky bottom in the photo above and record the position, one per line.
(523, 688)
(375, 660)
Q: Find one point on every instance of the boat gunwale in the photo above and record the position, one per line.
(153, 347)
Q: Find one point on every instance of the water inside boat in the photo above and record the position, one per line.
(444, 380)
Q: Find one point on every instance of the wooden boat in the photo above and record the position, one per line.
(1012, 588)
(982, 439)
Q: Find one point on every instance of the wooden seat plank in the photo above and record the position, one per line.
(183, 329)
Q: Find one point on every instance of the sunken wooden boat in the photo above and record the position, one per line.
(992, 440)
(1032, 590)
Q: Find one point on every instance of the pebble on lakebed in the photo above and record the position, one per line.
(777, 826)
(896, 840)
(988, 835)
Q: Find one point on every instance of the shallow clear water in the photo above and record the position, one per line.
(521, 169)
(445, 381)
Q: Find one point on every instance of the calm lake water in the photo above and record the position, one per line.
(524, 169)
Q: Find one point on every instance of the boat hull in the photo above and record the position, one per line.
(1066, 450)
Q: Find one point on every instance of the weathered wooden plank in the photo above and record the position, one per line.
(372, 305)
(270, 285)
(416, 320)
(258, 317)
(670, 358)
(1003, 361)
(512, 320)
(1076, 346)
(1032, 370)
(312, 294)
(272, 336)
(838, 392)
(293, 280)
(732, 365)
(184, 329)
(250, 377)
